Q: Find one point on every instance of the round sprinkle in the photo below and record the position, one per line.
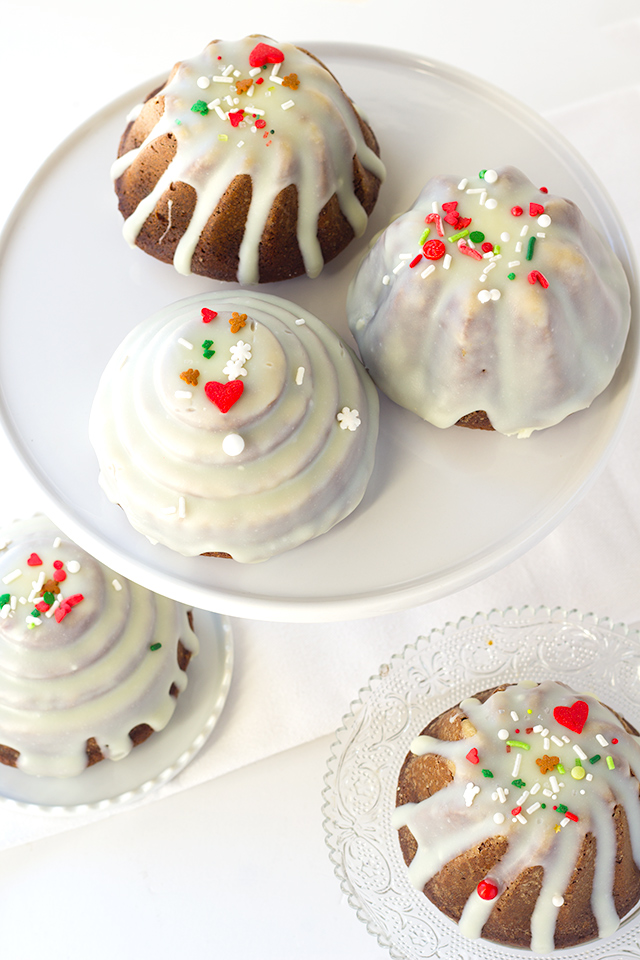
(503, 734)
(434, 249)
(484, 296)
(516, 211)
(578, 773)
(498, 818)
(203, 82)
(73, 566)
(233, 444)
(505, 237)
(495, 294)
(544, 220)
(557, 900)
(477, 236)
(491, 204)
(490, 176)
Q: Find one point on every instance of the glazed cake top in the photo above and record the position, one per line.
(491, 294)
(543, 767)
(269, 110)
(83, 652)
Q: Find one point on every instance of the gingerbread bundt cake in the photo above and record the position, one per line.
(234, 424)
(519, 816)
(492, 303)
(90, 663)
(250, 163)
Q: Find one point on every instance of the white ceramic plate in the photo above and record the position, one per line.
(428, 677)
(152, 763)
(443, 509)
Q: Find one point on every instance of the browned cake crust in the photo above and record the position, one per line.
(217, 252)
(477, 420)
(510, 922)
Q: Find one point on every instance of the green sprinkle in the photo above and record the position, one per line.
(543, 806)
(5, 598)
(610, 763)
(578, 763)
(518, 743)
(560, 768)
(200, 106)
(155, 646)
(459, 236)
(519, 784)
(425, 235)
(530, 246)
(496, 249)
(487, 773)
(561, 808)
(481, 174)
(178, 123)
(208, 352)
(35, 613)
(48, 597)
(511, 276)
(595, 758)
(477, 236)
(271, 132)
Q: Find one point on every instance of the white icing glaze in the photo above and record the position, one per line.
(445, 826)
(298, 472)
(465, 337)
(93, 673)
(316, 137)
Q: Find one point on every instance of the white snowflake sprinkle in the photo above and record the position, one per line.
(349, 419)
(241, 351)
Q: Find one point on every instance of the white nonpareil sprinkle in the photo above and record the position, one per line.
(463, 184)
(300, 321)
(498, 817)
(491, 203)
(579, 751)
(299, 375)
(233, 444)
(10, 577)
(601, 740)
(514, 716)
(503, 734)
(288, 104)
(203, 82)
(589, 776)
(538, 726)
(524, 230)
(484, 296)
(117, 586)
(490, 176)
(546, 743)
(557, 900)
(386, 279)
(56, 543)
(183, 394)
(73, 566)
(544, 220)
(446, 263)
(434, 206)
(429, 270)
(516, 765)
(255, 71)
(185, 343)
(564, 821)
(554, 784)
(240, 143)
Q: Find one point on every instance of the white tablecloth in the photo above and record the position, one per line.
(578, 63)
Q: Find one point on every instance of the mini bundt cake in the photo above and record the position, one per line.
(90, 663)
(250, 163)
(491, 303)
(235, 424)
(519, 816)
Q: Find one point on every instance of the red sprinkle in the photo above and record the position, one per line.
(571, 816)
(58, 564)
(468, 251)
(263, 53)
(224, 395)
(260, 80)
(516, 811)
(516, 211)
(437, 219)
(535, 209)
(543, 190)
(450, 205)
(260, 123)
(615, 740)
(34, 560)
(487, 890)
(540, 277)
(42, 606)
(575, 716)
(472, 756)
(59, 576)
(416, 260)
(434, 249)
(487, 247)
(235, 116)
(208, 315)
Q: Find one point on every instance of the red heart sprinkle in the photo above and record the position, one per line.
(451, 205)
(573, 717)
(34, 560)
(535, 209)
(235, 116)
(487, 890)
(472, 756)
(262, 53)
(224, 395)
(208, 315)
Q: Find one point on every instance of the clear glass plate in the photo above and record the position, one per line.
(589, 654)
(444, 508)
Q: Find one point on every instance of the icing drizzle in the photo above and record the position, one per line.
(282, 121)
(544, 804)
